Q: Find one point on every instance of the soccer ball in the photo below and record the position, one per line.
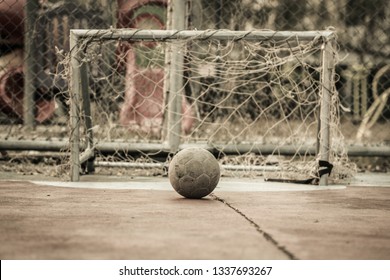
(194, 172)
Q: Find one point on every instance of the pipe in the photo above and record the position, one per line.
(161, 148)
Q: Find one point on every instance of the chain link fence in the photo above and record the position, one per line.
(34, 43)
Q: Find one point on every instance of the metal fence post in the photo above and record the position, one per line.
(31, 10)
(176, 78)
(74, 92)
(326, 91)
(87, 113)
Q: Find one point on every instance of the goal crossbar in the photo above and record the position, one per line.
(163, 35)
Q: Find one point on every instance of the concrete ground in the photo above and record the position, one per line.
(143, 218)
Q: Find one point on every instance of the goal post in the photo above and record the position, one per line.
(241, 84)
(328, 68)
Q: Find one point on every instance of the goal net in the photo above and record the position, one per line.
(263, 102)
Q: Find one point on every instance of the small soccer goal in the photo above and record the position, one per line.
(263, 102)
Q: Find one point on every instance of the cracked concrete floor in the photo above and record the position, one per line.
(74, 222)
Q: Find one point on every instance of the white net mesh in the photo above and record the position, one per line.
(254, 103)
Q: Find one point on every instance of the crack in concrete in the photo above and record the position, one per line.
(266, 235)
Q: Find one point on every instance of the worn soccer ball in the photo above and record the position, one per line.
(194, 172)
